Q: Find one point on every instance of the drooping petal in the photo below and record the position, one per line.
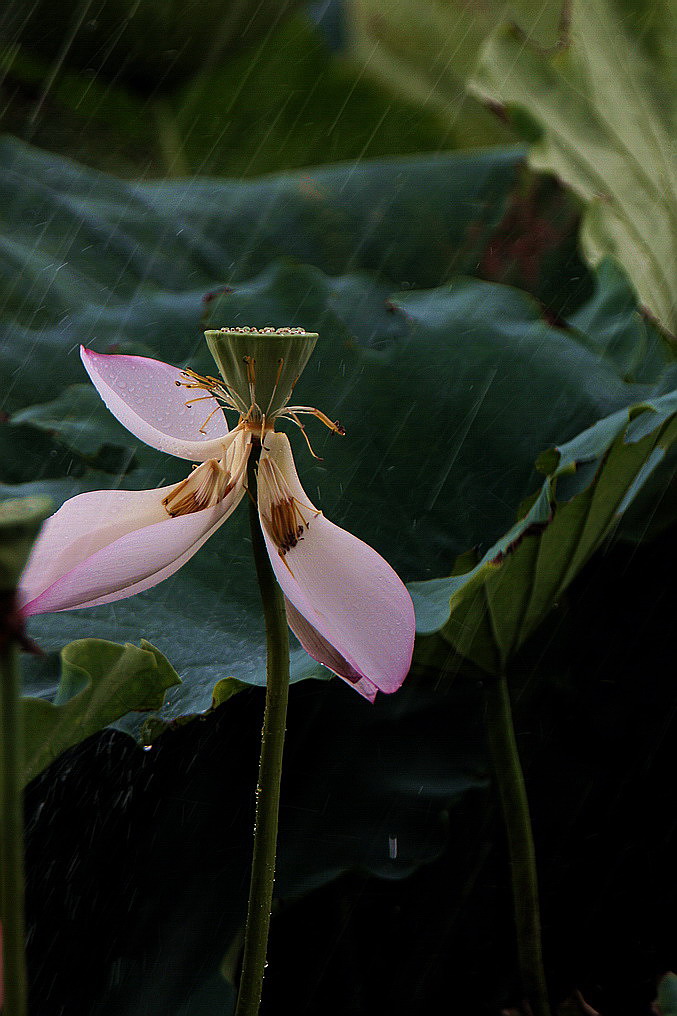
(345, 591)
(318, 647)
(142, 393)
(110, 544)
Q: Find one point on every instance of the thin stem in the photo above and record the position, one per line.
(270, 768)
(515, 808)
(11, 841)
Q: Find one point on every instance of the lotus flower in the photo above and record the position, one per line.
(345, 604)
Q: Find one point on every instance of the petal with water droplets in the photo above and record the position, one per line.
(144, 396)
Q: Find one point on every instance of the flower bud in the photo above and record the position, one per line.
(261, 366)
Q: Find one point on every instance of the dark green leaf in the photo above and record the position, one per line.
(489, 611)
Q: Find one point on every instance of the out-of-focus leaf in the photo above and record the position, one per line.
(667, 995)
(283, 103)
(114, 36)
(425, 50)
(20, 521)
(601, 114)
(78, 247)
(612, 323)
(78, 418)
(100, 682)
(488, 611)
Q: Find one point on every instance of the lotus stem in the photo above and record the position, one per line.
(509, 780)
(11, 838)
(270, 767)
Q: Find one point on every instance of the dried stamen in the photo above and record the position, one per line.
(285, 517)
(205, 487)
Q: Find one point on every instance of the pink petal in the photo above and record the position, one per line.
(345, 591)
(111, 544)
(324, 653)
(143, 395)
(84, 525)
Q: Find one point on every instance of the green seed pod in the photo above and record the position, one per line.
(261, 366)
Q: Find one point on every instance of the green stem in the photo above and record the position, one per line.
(270, 768)
(515, 807)
(11, 852)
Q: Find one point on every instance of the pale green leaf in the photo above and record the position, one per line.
(606, 115)
(100, 682)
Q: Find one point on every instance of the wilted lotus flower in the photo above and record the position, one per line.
(345, 604)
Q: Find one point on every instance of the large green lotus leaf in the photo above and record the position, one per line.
(100, 682)
(444, 417)
(83, 255)
(491, 606)
(601, 114)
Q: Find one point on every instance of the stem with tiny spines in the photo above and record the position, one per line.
(509, 780)
(270, 765)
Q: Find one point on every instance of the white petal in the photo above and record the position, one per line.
(107, 559)
(142, 393)
(340, 585)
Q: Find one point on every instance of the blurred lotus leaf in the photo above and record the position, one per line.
(151, 44)
(20, 521)
(426, 49)
(599, 110)
(666, 1004)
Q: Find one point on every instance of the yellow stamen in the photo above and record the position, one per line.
(333, 425)
(298, 423)
(213, 386)
(211, 415)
